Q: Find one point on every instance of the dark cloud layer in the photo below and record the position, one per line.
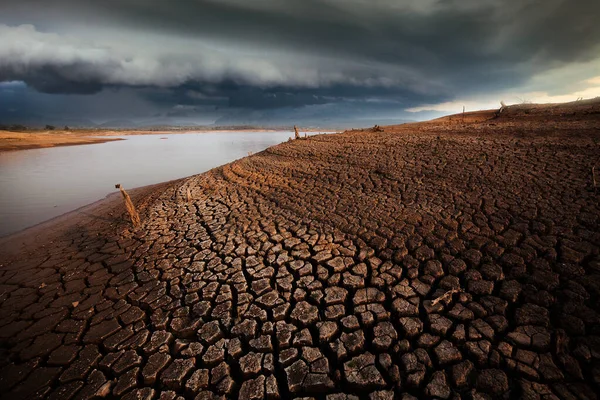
(269, 54)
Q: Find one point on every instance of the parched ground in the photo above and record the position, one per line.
(450, 259)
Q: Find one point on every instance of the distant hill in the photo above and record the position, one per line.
(281, 118)
(301, 117)
(118, 123)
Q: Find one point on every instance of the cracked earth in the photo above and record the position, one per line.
(437, 260)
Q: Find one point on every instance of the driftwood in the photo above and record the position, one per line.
(133, 214)
(297, 133)
(188, 195)
(377, 128)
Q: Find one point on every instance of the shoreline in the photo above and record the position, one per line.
(15, 141)
(51, 226)
(109, 209)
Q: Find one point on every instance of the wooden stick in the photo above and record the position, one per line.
(502, 107)
(297, 134)
(133, 214)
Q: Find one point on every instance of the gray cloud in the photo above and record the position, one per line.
(269, 54)
(47, 60)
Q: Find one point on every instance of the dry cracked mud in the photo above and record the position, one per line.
(441, 260)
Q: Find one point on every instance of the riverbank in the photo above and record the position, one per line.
(447, 258)
(104, 215)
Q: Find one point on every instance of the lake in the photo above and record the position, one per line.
(40, 184)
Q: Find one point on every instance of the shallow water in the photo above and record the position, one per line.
(40, 184)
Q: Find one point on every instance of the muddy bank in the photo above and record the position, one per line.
(446, 260)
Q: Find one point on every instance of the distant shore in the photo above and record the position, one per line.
(11, 141)
(35, 139)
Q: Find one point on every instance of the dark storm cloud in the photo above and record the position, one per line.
(269, 53)
(233, 95)
(50, 79)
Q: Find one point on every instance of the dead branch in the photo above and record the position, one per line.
(133, 214)
(502, 108)
(297, 133)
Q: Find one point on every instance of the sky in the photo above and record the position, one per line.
(311, 62)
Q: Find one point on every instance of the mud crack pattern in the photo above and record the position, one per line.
(401, 264)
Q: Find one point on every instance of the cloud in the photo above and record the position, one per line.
(268, 54)
(62, 63)
(50, 62)
(558, 85)
(430, 45)
(594, 81)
